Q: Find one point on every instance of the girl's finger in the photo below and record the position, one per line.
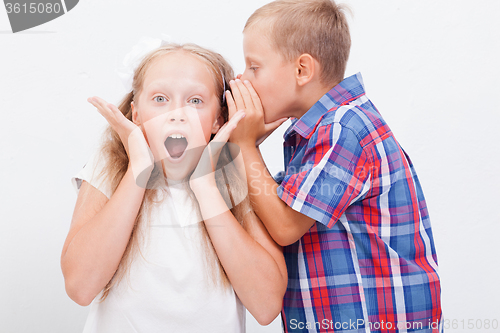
(100, 104)
(233, 123)
(228, 128)
(104, 111)
(113, 108)
(112, 114)
(222, 129)
(119, 116)
(236, 119)
(94, 102)
(230, 104)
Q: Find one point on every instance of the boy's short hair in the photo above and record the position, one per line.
(315, 27)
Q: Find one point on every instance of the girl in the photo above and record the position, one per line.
(136, 239)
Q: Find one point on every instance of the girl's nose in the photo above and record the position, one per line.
(177, 115)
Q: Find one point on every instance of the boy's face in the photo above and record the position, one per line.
(272, 77)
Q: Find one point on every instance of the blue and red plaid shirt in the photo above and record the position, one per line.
(369, 263)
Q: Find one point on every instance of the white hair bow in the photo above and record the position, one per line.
(132, 60)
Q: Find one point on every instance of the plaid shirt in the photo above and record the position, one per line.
(369, 263)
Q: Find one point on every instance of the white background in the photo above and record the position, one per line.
(431, 68)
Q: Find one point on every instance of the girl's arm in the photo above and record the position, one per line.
(99, 233)
(253, 262)
(101, 228)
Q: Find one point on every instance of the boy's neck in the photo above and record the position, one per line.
(309, 95)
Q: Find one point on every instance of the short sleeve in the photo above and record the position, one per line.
(278, 178)
(330, 176)
(93, 174)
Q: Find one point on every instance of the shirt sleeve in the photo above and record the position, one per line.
(93, 173)
(278, 178)
(333, 174)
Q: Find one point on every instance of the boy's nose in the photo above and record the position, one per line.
(241, 76)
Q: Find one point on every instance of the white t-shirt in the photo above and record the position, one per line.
(168, 289)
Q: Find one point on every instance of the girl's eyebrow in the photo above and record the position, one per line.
(162, 85)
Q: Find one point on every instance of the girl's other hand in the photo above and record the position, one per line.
(138, 151)
(203, 175)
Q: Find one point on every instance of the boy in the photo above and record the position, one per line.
(349, 209)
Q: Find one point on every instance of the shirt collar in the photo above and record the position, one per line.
(349, 89)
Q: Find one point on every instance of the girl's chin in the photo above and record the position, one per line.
(175, 174)
(178, 172)
(173, 180)
(180, 168)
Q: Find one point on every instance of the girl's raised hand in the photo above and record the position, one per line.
(140, 156)
(205, 169)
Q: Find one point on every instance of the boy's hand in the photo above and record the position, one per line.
(252, 130)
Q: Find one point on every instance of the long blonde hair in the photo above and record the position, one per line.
(117, 162)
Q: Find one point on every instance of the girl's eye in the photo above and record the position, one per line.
(195, 101)
(253, 68)
(160, 99)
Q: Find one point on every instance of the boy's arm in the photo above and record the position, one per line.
(284, 224)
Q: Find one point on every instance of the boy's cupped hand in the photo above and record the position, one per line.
(252, 130)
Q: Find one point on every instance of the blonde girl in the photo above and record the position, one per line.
(152, 241)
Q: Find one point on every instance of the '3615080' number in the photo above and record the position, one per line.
(471, 324)
(33, 8)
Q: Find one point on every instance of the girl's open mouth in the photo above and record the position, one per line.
(176, 145)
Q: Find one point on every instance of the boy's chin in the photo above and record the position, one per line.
(271, 114)
(270, 118)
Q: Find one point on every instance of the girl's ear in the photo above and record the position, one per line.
(135, 115)
(217, 124)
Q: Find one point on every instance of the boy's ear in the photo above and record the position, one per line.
(135, 115)
(305, 69)
(219, 121)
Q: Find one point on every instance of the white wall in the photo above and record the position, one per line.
(429, 66)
